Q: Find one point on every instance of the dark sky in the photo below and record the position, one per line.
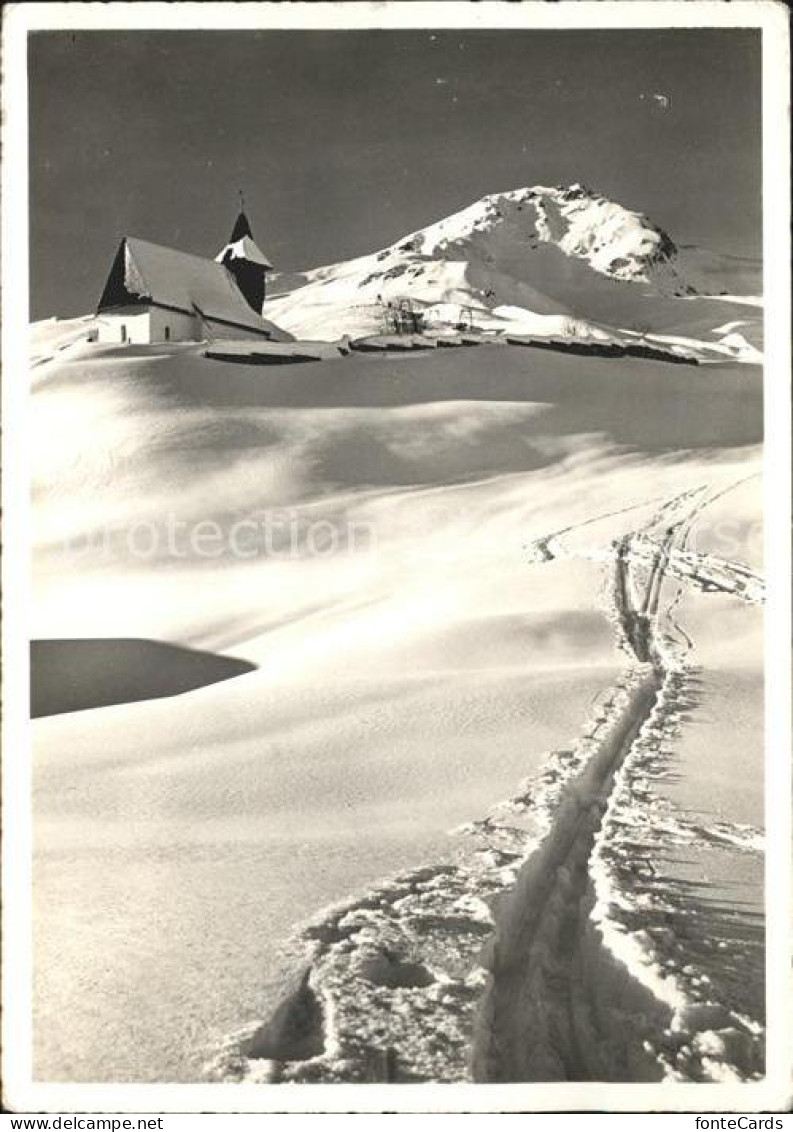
(345, 140)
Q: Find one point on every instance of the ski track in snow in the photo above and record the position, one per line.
(542, 951)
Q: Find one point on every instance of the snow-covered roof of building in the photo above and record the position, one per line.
(242, 245)
(245, 248)
(170, 278)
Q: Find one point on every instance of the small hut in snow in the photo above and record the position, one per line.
(157, 294)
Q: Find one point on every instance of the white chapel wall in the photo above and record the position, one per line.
(123, 326)
(173, 326)
(152, 324)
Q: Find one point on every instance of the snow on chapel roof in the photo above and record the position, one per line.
(170, 278)
(242, 245)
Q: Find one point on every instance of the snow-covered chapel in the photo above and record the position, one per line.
(158, 294)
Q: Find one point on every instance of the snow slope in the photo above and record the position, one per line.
(561, 261)
(428, 665)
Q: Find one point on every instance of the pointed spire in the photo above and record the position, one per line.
(241, 245)
(241, 228)
(245, 261)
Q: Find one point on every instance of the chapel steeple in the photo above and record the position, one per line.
(246, 261)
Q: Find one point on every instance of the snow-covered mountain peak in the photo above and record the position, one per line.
(613, 240)
(568, 260)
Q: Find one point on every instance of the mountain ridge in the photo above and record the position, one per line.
(560, 260)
